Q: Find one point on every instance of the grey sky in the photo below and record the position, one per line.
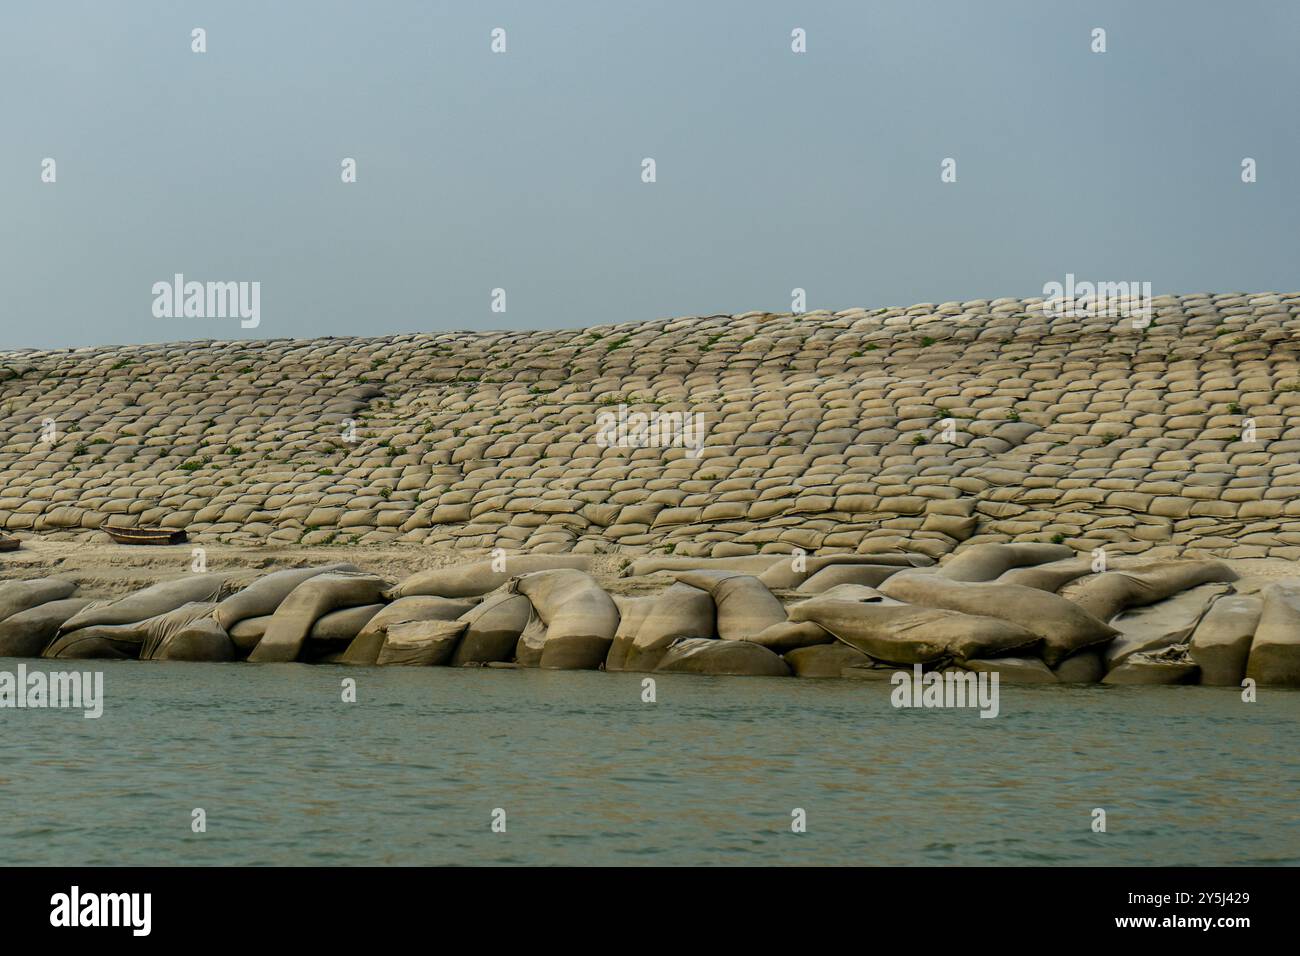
(522, 170)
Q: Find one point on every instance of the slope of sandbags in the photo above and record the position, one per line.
(711, 656)
(580, 618)
(420, 643)
(19, 596)
(492, 629)
(1063, 627)
(152, 601)
(29, 632)
(264, 595)
(1275, 650)
(369, 641)
(310, 600)
(472, 580)
(1221, 642)
(1107, 594)
(745, 607)
(906, 634)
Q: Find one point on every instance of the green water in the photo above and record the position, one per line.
(589, 774)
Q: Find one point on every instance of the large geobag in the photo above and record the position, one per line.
(580, 618)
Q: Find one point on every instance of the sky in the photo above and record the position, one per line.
(523, 170)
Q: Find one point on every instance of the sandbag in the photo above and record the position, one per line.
(153, 601)
(824, 660)
(1221, 642)
(745, 607)
(867, 575)
(985, 562)
(189, 633)
(1168, 666)
(1275, 651)
(791, 635)
(310, 600)
(27, 633)
(420, 643)
(263, 596)
(1085, 667)
(532, 641)
(580, 617)
(748, 564)
(632, 612)
(19, 596)
(707, 656)
(905, 634)
(492, 629)
(154, 630)
(1157, 626)
(1012, 670)
(201, 640)
(788, 574)
(1048, 577)
(365, 647)
(1107, 594)
(248, 632)
(471, 580)
(1063, 627)
(104, 642)
(343, 626)
(679, 612)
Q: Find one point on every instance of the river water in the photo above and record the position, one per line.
(586, 772)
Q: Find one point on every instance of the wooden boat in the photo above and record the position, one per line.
(9, 544)
(146, 534)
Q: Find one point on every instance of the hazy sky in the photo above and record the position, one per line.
(522, 170)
